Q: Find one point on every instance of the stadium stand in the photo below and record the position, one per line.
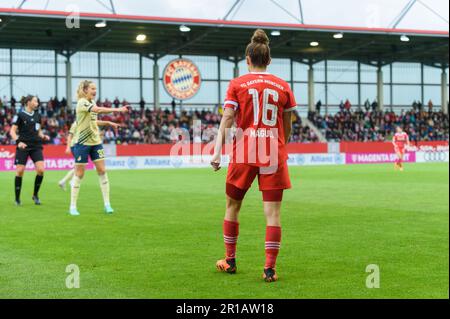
(147, 126)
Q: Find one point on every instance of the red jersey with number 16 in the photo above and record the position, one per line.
(259, 99)
(400, 140)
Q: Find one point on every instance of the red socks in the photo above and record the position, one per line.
(230, 236)
(273, 242)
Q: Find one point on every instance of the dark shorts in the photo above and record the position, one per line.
(35, 153)
(82, 153)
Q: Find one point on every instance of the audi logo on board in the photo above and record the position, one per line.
(435, 156)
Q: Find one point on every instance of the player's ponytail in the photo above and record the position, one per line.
(82, 88)
(258, 50)
(28, 99)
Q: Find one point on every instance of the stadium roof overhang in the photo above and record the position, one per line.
(35, 29)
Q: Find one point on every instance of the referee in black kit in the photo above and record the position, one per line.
(27, 133)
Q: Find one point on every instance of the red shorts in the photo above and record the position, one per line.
(243, 175)
(400, 150)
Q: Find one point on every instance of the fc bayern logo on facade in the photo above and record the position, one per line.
(182, 79)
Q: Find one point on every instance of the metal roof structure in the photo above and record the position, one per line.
(402, 14)
(31, 28)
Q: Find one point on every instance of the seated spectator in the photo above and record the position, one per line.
(144, 125)
(116, 102)
(347, 105)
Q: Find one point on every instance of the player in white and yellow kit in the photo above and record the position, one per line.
(88, 143)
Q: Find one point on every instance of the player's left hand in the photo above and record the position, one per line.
(46, 138)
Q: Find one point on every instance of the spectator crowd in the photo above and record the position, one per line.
(148, 126)
(371, 124)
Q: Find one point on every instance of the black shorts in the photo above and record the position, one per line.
(35, 153)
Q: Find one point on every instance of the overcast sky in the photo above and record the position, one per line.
(367, 13)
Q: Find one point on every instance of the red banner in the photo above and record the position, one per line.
(144, 150)
(58, 151)
(50, 151)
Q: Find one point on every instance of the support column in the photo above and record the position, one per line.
(236, 69)
(311, 104)
(359, 86)
(219, 76)
(444, 91)
(380, 89)
(56, 74)
(326, 88)
(391, 86)
(157, 104)
(141, 82)
(99, 76)
(422, 84)
(291, 63)
(11, 80)
(69, 82)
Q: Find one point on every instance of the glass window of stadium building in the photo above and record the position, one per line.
(132, 76)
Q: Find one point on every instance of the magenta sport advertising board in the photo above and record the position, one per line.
(159, 156)
(51, 164)
(377, 158)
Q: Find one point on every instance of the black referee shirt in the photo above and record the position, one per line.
(29, 125)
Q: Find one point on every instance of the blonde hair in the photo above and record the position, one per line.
(82, 87)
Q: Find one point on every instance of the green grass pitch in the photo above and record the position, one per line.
(166, 235)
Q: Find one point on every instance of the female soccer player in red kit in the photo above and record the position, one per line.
(261, 104)
(400, 141)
